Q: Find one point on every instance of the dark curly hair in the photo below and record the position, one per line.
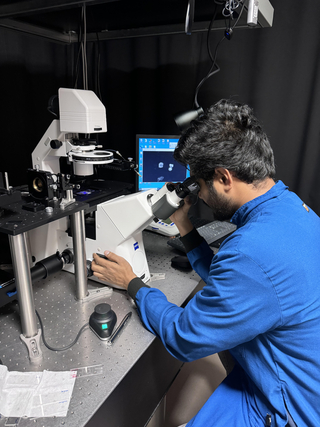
(228, 136)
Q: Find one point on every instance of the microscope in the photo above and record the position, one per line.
(63, 217)
(115, 224)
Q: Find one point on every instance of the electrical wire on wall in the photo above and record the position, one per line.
(228, 11)
(82, 61)
(214, 66)
(82, 52)
(184, 119)
(84, 48)
(230, 7)
(97, 79)
(82, 57)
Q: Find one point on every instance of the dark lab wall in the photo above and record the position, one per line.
(31, 70)
(145, 81)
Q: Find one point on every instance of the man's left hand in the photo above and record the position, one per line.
(115, 269)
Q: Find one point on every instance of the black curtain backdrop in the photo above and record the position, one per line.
(145, 81)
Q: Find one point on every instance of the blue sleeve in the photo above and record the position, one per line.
(200, 259)
(231, 309)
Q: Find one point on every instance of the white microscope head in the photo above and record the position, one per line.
(81, 111)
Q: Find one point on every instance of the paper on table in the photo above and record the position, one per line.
(35, 394)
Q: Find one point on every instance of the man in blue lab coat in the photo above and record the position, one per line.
(262, 295)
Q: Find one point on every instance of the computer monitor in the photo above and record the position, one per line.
(156, 164)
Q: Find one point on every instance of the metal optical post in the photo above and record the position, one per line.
(78, 239)
(20, 262)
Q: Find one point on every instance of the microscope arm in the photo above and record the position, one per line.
(46, 158)
(128, 215)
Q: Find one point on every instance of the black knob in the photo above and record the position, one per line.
(102, 311)
(103, 320)
(89, 270)
(55, 144)
(67, 255)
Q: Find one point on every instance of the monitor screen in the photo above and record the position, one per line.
(156, 164)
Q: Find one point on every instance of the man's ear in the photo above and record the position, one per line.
(224, 176)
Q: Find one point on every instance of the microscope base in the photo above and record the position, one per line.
(33, 346)
(95, 293)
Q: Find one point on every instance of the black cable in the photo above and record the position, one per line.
(238, 16)
(78, 58)
(98, 90)
(84, 47)
(209, 32)
(210, 73)
(210, 55)
(213, 58)
(63, 348)
(82, 51)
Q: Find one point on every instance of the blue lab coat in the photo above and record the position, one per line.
(262, 302)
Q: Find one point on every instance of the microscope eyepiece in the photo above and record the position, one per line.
(186, 187)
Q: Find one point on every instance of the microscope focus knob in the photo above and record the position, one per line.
(55, 144)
